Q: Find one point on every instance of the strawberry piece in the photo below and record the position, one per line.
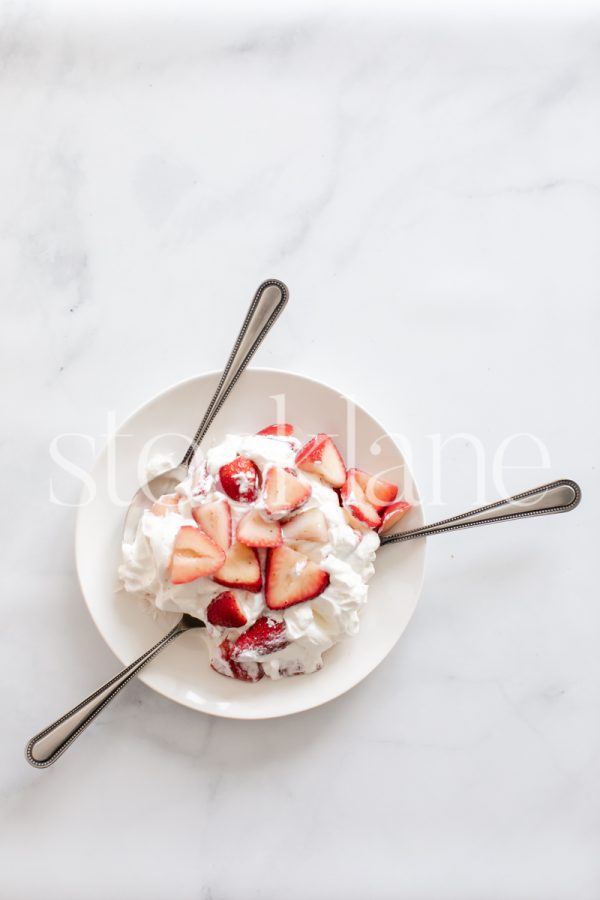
(224, 610)
(254, 531)
(238, 670)
(240, 479)
(165, 504)
(264, 637)
(292, 578)
(353, 498)
(361, 527)
(310, 525)
(393, 514)
(215, 519)
(195, 555)
(283, 491)
(284, 430)
(241, 569)
(321, 457)
(378, 492)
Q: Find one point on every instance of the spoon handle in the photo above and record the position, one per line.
(269, 301)
(556, 497)
(44, 748)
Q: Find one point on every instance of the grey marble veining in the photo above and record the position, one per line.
(428, 186)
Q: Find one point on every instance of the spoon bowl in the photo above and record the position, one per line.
(165, 483)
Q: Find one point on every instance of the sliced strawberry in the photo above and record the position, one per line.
(249, 672)
(215, 519)
(354, 523)
(379, 493)
(240, 479)
(393, 514)
(240, 570)
(291, 578)
(353, 498)
(195, 554)
(225, 611)
(321, 457)
(165, 504)
(284, 430)
(264, 637)
(283, 491)
(254, 531)
(310, 525)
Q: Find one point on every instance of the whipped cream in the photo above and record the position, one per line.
(312, 626)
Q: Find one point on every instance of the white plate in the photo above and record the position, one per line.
(182, 672)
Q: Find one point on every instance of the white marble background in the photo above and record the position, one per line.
(429, 187)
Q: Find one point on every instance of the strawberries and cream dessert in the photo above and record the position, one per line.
(271, 543)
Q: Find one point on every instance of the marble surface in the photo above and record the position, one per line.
(429, 188)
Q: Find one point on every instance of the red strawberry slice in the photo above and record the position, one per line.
(310, 525)
(264, 637)
(353, 498)
(393, 514)
(224, 610)
(361, 527)
(283, 491)
(321, 457)
(240, 479)
(292, 578)
(165, 504)
(284, 430)
(251, 672)
(378, 492)
(240, 570)
(254, 531)
(195, 554)
(215, 519)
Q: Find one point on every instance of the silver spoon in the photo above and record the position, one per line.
(556, 497)
(45, 748)
(268, 303)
